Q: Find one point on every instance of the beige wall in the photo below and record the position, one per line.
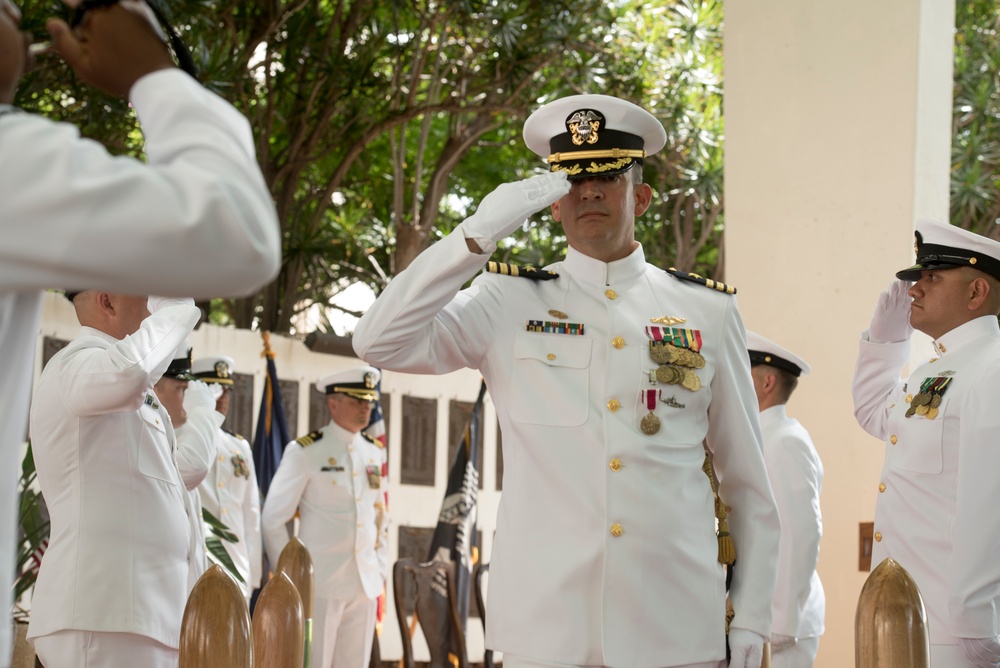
(837, 139)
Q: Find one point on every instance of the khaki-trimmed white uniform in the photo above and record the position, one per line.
(936, 504)
(796, 475)
(334, 478)
(105, 450)
(229, 492)
(563, 587)
(72, 209)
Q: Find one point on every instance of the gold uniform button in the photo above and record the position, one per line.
(618, 342)
(616, 464)
(878, 536)
(614, 405)
(892, 439)
(881, 487)
(933, 359)
(909, 398)
(225, 511)
(221, 458)
(221, 485)
(610, 294)
(550, 356)
(616, 529)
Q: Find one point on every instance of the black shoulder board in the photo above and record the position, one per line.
(374, 441)
(707, 282)
(233, 433)
(505, 269)
(309, 438)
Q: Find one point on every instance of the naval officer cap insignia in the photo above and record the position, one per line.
(765, 351)
(180, 365)
(943, 246)
(360, 382)
(216, 369)
(593, 135)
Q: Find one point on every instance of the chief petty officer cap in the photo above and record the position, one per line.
(943, 246)
(765, 351)
(359, 382)
(593, 135)
(180, 365)
(216, 369)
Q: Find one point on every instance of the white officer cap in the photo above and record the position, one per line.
(943, 246)
(593, 135)
(765, 351)
(216, 369)
(359, 382)
(180, 365)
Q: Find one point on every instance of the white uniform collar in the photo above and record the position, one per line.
(586, 269)
(772, 415)
(974, 329)
(90, 331)
(338, 433)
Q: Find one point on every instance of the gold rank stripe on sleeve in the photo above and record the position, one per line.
(505, 269)
(309, 438)
(554, 327)
(707, 282)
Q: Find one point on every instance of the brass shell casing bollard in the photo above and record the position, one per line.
(890, 627)
(215, 629)
(296, 563)
(278, 625)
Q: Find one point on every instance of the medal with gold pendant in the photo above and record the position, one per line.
(650, 424)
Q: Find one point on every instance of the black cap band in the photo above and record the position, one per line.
(933, 256)
(770, 359)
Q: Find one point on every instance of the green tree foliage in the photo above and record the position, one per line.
(975, 174)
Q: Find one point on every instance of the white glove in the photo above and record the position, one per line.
(891, 320)
(154, 304)
(780, 643)
(746, 648)
(198, 396)
(504, 210)
(216, 390)
(982, 652)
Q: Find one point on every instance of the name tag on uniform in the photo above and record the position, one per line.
(374, 476)
(332, 468)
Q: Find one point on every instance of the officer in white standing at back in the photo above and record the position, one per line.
(937, 497)
(229, 491)
(796, 475)
(609, 376)
(196, 220)
(335, 477)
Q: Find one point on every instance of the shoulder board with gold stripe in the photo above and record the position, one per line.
(309, 438)
(374, 441)
(707, 282)
(505, 269)
(233, 433)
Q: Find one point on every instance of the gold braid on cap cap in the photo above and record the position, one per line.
(590, 155)
(356, 392)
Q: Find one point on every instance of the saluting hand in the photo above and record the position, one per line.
(113, 47)
(891, 320)
(505, 209)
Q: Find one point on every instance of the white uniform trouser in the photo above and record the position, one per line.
(94, 649)
(511, 661)
(343, 632)
(949, 656)
(800, 655)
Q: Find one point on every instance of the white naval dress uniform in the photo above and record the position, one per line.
(577, 468)
(334, 478)
(936, 511)
(229, 492)
(104, 447)
(796, 475)
(73, 212)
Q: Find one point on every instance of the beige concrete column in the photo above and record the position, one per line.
(838, 122)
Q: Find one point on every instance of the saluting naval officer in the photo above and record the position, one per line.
(195, 220)
(796, 475)
(113, 582)
(937, 497)
(229, 491)
(335, 477)
(609, 375)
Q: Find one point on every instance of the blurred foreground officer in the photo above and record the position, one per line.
(938, 494)
(73, 216)
(190, 404)
(335, 478)
(608, 375)
(230, 490)
(112, 585)
(796, 475)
